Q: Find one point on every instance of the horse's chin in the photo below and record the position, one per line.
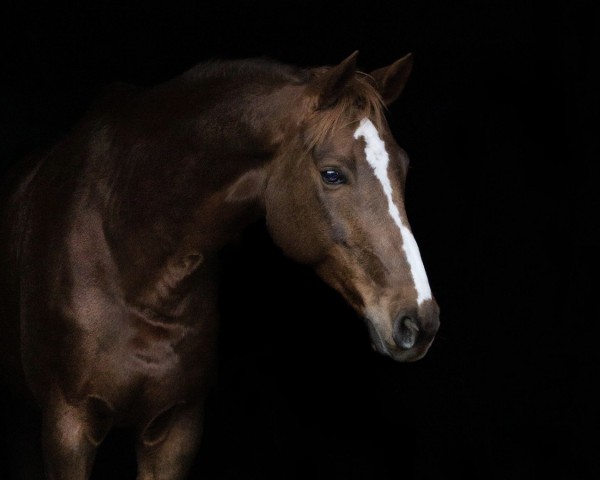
(412, 356)
(398, 355)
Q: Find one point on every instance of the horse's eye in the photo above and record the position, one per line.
(332, 176)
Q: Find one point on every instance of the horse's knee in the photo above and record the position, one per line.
(71, 435)
(99, 419)
(67, 450)
(157, 429)
(70, 425)
(168, 444)
(182, 422)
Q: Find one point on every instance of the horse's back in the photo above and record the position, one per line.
(20, 423)
(18, 205)
(13, 211)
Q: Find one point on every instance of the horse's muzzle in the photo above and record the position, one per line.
(413, 332)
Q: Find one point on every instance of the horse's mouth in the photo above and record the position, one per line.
(392, 351)
(377, 343)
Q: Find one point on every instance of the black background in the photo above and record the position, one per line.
(502, 198)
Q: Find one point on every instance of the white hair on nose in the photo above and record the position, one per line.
(379, 159)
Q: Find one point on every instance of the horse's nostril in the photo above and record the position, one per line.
(406, 332)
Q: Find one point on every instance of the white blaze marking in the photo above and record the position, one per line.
(378, 158)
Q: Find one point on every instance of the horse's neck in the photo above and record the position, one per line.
(185, 193)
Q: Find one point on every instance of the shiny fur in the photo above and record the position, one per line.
(109, 242)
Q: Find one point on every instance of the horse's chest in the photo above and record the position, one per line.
(95, 342)
(150, 349)
(129, 359)
(156, 347)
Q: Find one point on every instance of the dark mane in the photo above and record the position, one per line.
(249, 69)
(360, 97)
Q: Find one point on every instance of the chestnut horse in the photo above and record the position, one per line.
(108, 243)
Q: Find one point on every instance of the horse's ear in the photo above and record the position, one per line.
(333, 81)
(392, 79)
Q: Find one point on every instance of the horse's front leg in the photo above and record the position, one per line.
(71, 434)
(167, 446)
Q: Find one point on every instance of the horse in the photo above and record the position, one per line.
(110, 239)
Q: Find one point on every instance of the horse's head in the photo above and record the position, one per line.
(335, 201)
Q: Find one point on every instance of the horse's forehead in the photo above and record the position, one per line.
(343, 140)
(379, 153)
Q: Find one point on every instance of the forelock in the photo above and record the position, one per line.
(359, 99)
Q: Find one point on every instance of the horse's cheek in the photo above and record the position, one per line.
(290, 222)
